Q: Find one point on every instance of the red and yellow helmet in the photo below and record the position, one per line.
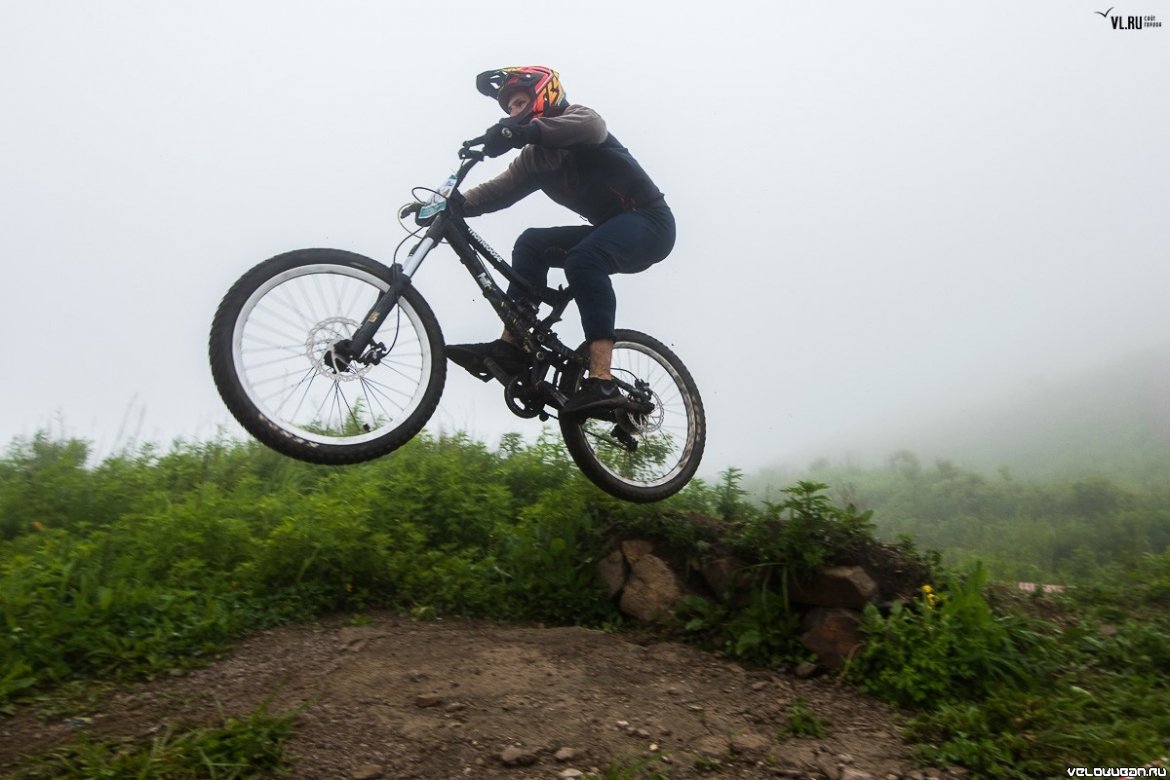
(543, 86)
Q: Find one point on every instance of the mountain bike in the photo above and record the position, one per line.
(331, 357)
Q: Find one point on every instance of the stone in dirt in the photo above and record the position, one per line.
(367, 772)
(848, 587)
(517, 756)
(833, 634)
(849, 773)
(565, 754)
(712, 746)
(652, 590)
(750, 744)
(634, 549)
(611, 570)
(427, 700)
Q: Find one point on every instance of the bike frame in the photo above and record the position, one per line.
(476, 256)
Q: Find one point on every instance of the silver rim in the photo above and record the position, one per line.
(665, 437)
(281, 339)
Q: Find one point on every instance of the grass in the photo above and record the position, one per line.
(233, 749)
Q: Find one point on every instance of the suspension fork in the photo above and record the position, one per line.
(358, 346)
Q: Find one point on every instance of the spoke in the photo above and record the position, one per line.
(370, 402)
(307, 382)
(297, 327)
(284, 296)
(281, 340)
(296, 349)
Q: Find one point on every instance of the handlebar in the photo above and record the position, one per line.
(470, 158)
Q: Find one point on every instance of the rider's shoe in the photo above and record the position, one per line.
(510, 359)
(595, 395)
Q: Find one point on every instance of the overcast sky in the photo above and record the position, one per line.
(883, 208)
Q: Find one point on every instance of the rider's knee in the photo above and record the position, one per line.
(585, 266)
(529, 242)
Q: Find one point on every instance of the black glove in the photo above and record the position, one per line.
(508, 134)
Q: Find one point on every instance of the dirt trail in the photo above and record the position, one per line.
(449, 699)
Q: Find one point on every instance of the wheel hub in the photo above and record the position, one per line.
(320, 349)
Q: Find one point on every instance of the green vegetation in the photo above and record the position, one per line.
(633, 769)
(152, 560)
(1008, 694)
(1058, 532)
(803, 722)
(233, 750)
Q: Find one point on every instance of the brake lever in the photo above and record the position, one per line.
(467, 153)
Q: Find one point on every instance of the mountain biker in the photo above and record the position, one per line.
(569, 154)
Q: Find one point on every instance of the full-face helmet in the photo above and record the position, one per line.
(541, 84)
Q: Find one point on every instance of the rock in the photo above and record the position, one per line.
(750, 744)
(565, 754)
(721, 574)
(427, 700)
(367, 772)
(517, 756)
(571, 774)
(652, 590)
(847, 587)
(833, 634)
(828, 767)
(635, 549)
(805, 670)
(849, 773)
(712, 746)
(612, 570)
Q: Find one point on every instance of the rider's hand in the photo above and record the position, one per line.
(508, 134)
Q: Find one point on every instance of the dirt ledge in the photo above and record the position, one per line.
(396, 698)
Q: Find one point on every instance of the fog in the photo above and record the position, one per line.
(884, 210)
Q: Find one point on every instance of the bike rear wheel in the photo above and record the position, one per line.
(667, 443)
(271, 356)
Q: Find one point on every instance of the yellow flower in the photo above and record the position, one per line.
(928, 595)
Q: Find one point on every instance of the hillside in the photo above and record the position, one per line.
(1111, 421)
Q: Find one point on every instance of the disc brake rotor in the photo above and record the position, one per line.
(319, 349)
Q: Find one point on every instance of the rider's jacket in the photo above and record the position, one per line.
(578, 163)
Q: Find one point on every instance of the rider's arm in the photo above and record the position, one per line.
(514, 183)
(577, 126)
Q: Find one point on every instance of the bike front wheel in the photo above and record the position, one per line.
(641, 456)
(272, 357)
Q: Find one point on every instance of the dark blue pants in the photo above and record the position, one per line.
(626, 244)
